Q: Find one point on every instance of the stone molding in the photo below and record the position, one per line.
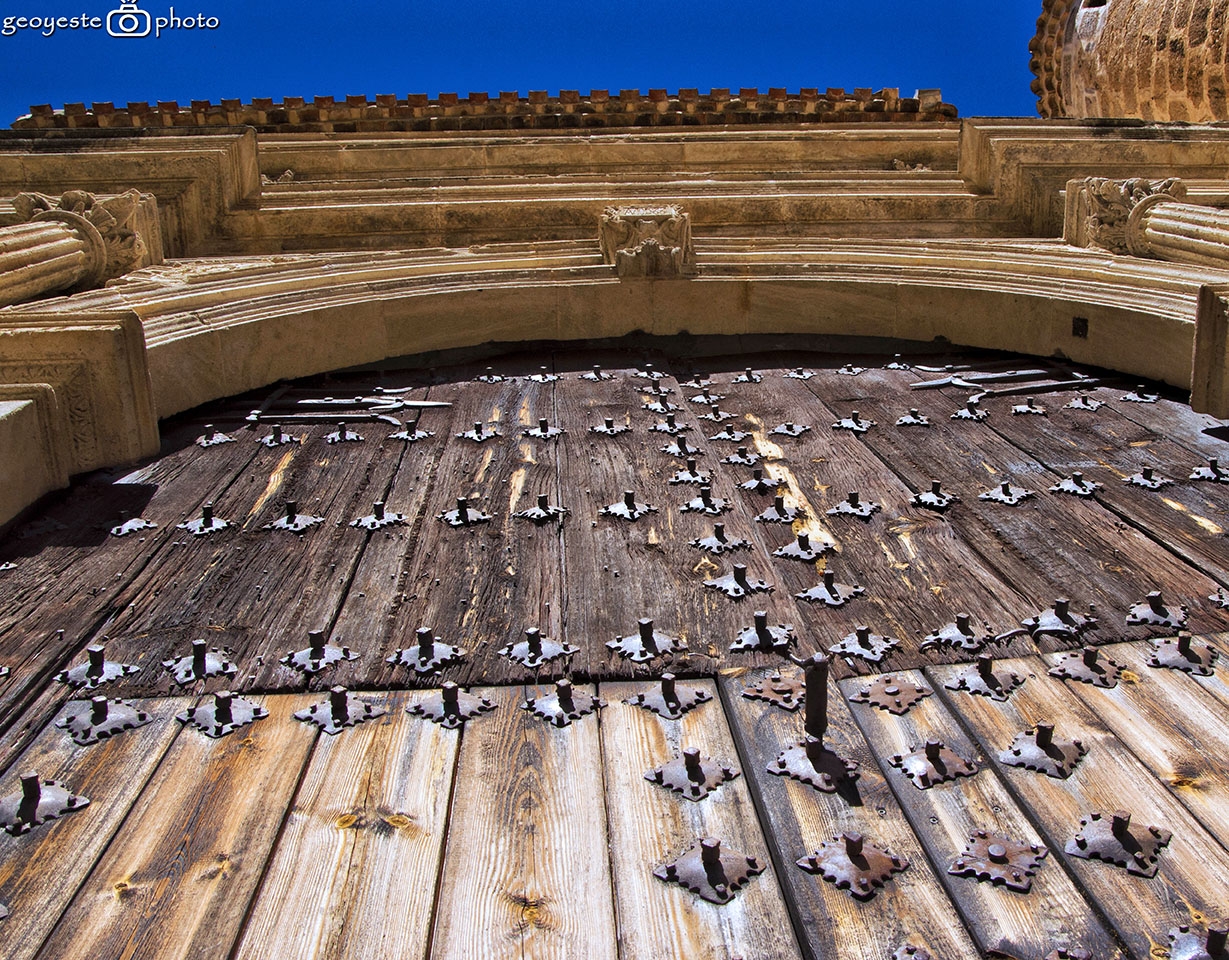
(95, 361)
(649, 242)
(595, 111)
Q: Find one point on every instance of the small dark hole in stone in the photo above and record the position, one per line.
(1079, 327)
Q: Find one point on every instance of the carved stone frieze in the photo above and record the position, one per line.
(648, 241)
(1108, 213)
(105, 225)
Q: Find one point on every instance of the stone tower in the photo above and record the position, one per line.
(1159, 60)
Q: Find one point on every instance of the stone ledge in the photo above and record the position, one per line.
(33, 436)
(597, 110)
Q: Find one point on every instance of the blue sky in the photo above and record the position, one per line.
(976, 52)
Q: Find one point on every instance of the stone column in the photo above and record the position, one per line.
(74, 243)
(1145, 218)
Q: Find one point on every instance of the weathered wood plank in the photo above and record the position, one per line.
(911, 908)
(1053, 913)
(355, 868)
(917, 571)
(41, 870)
(526, 871)
(1188, 519)
(1042, 545)
(1177, 730)
(253, 590)
(651, 825)
(481, 586)
(177, 878)
(642, 568)
(1193, 869)
(70, 577)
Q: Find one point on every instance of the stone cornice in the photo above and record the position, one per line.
(596, 111)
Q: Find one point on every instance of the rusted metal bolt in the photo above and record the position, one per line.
(1146, 473)
(1077, 478)
(1156, 602)
(450, 697)
(761, 626)
(816, 722)
(863, 633)
(706, 496)
(691, 763)
(853, 498)
(691, 464)
(1006, 488)
(98, 660)
(719, 532)
(543, 426)
(426, 643)
(934, 487)
(1121, 823)
(682, 445)
(1184, 643)
(853, 844)
(804, 542)
(646, 634)
(1061, 607)
(934, 750)
(31, 792)
(715, 410)
(778, 503)
(277, 433)
(830, 581)
(341, 430)
(963, 625)
(563, 690)
(463, 510)
(985, 668)
(749, 374)
(789, 426)
(609, 423)
(1043, 733)
(292, 510)
(629, 499)
(670, 421)
(221, 706)
(1090, 656)
(338, 705)
(199, 649)
(315, 644)
(207, 515)
(853, 415)
(377, 510)
(1218, 934)
(740, 576)
(98, 710)
(533, 640)
(668, 691)
(998, 852)
(710, 857)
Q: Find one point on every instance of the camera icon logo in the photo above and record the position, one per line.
(129, 21)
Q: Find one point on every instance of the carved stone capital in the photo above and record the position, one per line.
(649, 241)
(107, 226)
(1108, 213)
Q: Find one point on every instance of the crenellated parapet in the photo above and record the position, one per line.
(539, 110)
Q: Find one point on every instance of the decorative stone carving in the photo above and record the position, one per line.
(650, 242)
(105, 225)
(1109, 213)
